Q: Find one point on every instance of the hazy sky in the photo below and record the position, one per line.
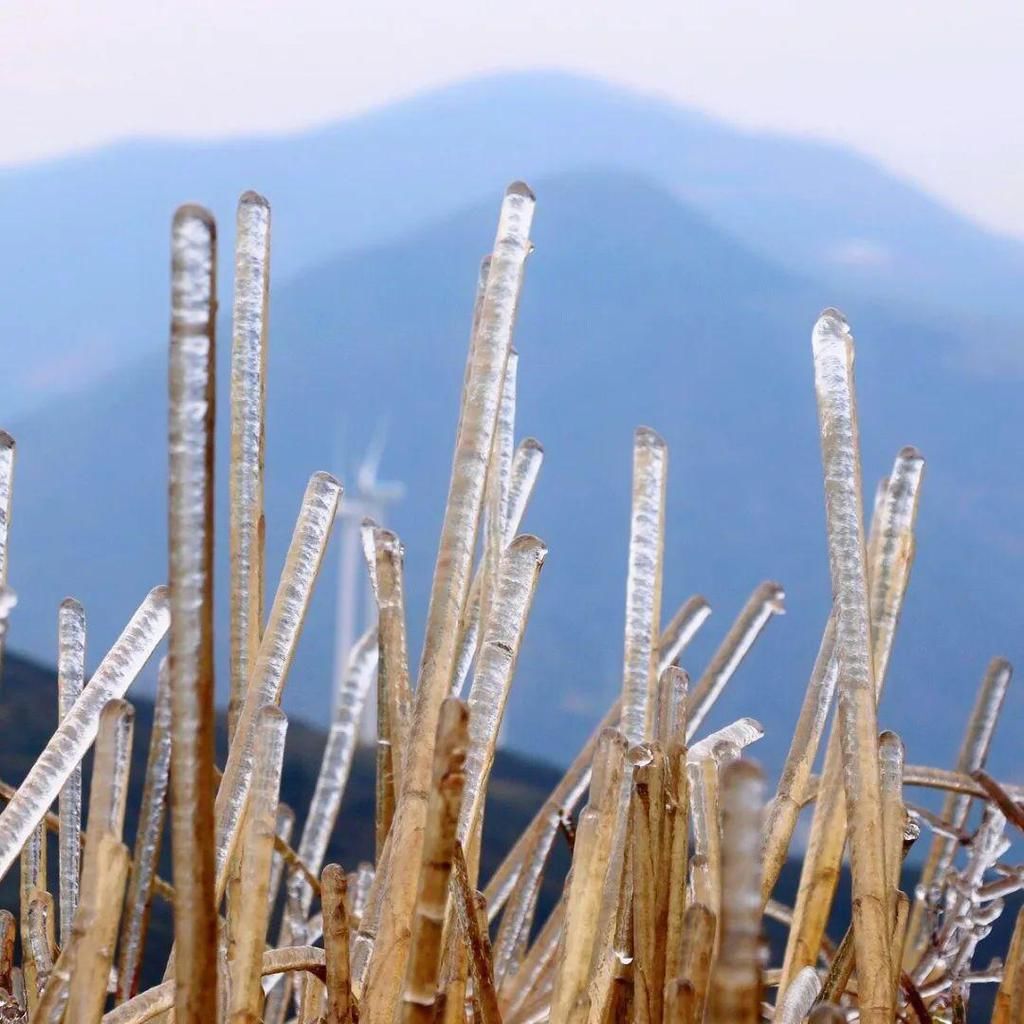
(932, 89)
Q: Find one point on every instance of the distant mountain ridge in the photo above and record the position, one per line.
(636, 310)
(83, 265)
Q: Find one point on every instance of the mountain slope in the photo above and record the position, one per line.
(83, 267)
(636, 310)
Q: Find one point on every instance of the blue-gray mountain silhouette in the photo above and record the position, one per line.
(636, 310)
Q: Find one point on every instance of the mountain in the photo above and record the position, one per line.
(83, 276)
(636, 309)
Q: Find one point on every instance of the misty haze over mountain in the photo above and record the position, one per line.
(679, 267)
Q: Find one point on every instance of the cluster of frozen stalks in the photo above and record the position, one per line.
(676, 851)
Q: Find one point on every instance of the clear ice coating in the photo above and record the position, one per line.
(334, 770)
(956, 806)
(76, 732)
(277, 648)
(798, 999)
(506, 623)
(248, 399)
(481, 399)
(891, 558)
(738, 734)
(766, 601)
(254, 870)
(643, 583)
(190, 586)
(70, 681)
(108, 794)
(832, 345)
(526, 463)
(496, 491)
(148, 841)
(569, 791)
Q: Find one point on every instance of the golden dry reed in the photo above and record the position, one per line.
(675, 850)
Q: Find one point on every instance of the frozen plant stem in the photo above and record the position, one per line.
(70, 681)
(833, 375)
(482, 397)
(75, 734)
(190, 581)
(892, 556)
(248, 398)
(643, 584)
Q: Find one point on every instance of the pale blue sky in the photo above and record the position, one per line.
(931, 89)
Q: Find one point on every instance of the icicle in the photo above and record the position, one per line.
(367, 533)
(766, 601)
(254, 869)
(277, 648)
(676, 636)
(77, 731)
(738, 735)
(496, 489)
(148, 841)
(833, 370)
(526, 465)
(892, 550)
(956, 806)
(336, 764)
(799, 998)
(70, 682)
(449, 591)
(190, 584)
(393, 696)
(248, 400)
(506, 624)
(643, 583)
(573, 785)
(108, 795)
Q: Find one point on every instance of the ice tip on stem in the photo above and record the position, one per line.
(189, 214)
(325, 483)
(72, 606)
(520, 188)
(910, 453)
(831, 324)
(773, 595)
(527, 542)
(531, 444)
(647, 437)
(640, 755)
(6, 440)
(1000, 665)
(252, 198)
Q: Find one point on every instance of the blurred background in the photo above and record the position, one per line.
(708, 177)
